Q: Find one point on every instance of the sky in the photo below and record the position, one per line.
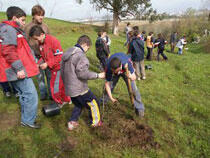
(69, 10)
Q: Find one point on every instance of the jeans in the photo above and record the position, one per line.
(41, 83)
(28, 99)
(137, 96)
(6, 87)
(180, 51)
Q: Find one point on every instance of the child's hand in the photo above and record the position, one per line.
(21, 74)
(101, 75)
(43, 66)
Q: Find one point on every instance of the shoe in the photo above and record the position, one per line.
(7, 94)
(72, 125)
(35, 125)
(99, 124)
(139, 113)
(143, 78)
(138, 78)
(16, 95)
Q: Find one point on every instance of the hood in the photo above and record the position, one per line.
(11, 23)
(69, 53)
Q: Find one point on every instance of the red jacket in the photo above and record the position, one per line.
(51, 52)
(15, 53)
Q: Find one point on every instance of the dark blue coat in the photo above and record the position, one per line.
(136, 49)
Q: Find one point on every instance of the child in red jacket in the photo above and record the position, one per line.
(51, 54)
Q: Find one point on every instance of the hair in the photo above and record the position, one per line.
(37, 10)
(136, 32)
(15, 11)
(150, 33)
(143, 32)
(84, 39)
(36, 30)
(101, 32)
(160, 35)
(115, 63)
(128, 24)
(135, 28)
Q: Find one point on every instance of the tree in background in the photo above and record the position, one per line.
(121, 8)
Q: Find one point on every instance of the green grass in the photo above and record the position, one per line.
(176, 95)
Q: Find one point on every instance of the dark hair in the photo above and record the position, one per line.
(143, 32)
(115, 63)
(15, 11)
(150, 33)
(84, 39)
(101, 32)
(136, 32)
(37, 10)
(36, 30)
(136, 28)
(128, 24)
(160, 35)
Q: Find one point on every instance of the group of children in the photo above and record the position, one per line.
(29, 50)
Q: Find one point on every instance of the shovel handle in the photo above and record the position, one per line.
(129, 86)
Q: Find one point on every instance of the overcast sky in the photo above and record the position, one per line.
(69, 10)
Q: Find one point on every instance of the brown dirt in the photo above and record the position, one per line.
(68, 144)
(130, 134)
(8, 121)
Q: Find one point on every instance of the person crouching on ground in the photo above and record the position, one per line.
(136, 49)
(51, 54)
(75, 74)
(102, 50)
(116, 68)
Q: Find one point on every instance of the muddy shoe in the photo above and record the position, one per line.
(72, 125)
(99, 124)
(139, 113)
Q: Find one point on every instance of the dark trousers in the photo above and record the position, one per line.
(89, 101)
(149, 53)
(103, 61)
(6, 87)
(160, 52)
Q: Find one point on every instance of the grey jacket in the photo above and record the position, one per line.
(75, 73)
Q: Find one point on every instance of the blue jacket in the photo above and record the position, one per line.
(136, 49)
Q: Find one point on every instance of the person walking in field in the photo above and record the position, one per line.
(173, 40)
(136, 49)
(51, 54)
(37, 19)
(160, 43)
(150, 45)
(180, 45)
(75, 74)
(102, 49)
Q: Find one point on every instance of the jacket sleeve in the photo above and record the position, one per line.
(130, 48)
(9, 48)
(57, 52)
(82, 69)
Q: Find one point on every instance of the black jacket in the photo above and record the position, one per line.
(102, 50)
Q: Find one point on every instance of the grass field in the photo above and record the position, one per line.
(176, 95)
